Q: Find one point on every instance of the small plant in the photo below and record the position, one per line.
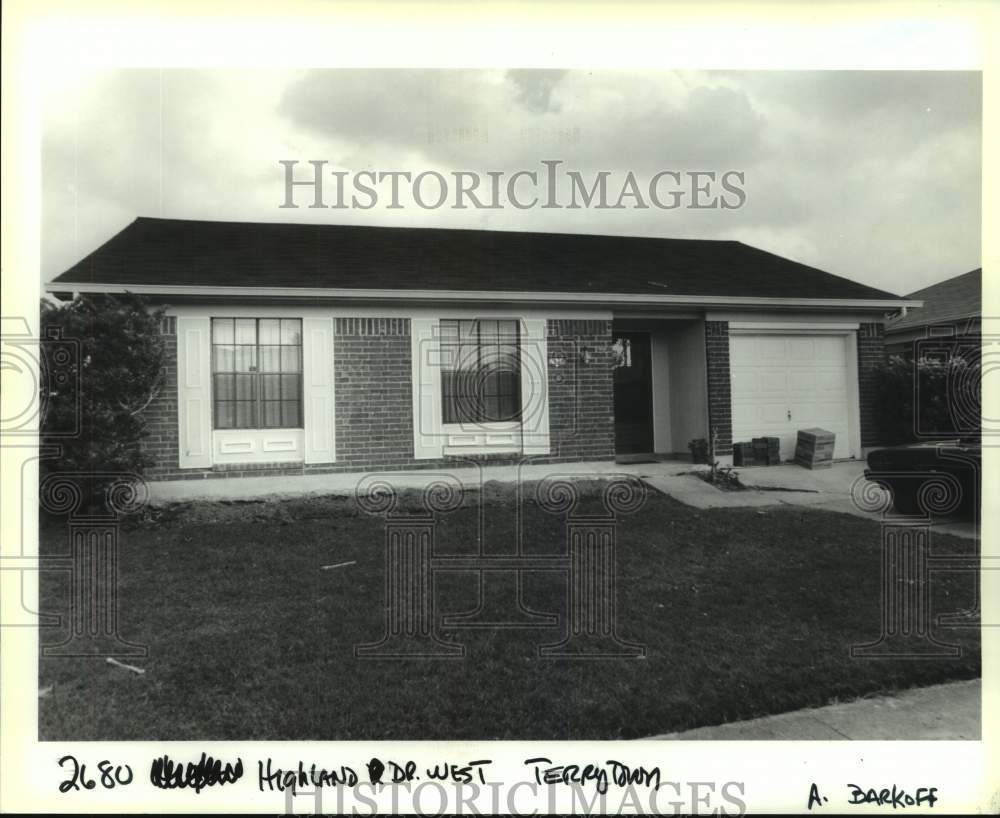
(722, 477)
(728, 479)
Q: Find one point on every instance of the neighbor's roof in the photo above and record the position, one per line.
(954, 299)
(245, 254)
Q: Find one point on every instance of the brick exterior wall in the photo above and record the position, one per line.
(581, 396)
(373, 391)
(871, 353)
(374, 407)
(720, 407)
(161, 444)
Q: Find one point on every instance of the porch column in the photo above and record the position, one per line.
(720, 406)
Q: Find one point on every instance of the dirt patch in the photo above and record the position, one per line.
(285, 510)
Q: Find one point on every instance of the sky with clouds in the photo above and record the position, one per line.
(871, 175)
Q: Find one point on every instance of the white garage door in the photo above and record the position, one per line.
(783, 383)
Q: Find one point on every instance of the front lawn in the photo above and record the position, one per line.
(744, 612)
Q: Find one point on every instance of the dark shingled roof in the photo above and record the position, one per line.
(247, 254)
(954, 299)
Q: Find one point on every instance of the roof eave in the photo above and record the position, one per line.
(438, 296)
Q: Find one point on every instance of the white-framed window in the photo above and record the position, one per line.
(257, 373)
(255, 389)
(480, 370)
(480, 385)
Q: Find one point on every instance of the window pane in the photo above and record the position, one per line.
(508, 382)
(487, 331)
(225, 358)
(224, 387)
(270, 387)
(224, 415)
(489, 356)
(291, 359)
(469, 403)
(272, 414)
(491, 408)
(460, 399)
(270, 359)
(510, 407)
(509, 357)
(467, 357)
(246, 359)
(270, 332)
(244, 387)
(291, 331)
(290, 414)
(467, 331)
(246, 331)
(222, 330)
(290, 386)
(245, 416)
(508, 331)
(448, 401)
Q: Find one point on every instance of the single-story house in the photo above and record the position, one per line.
(308, 348)
(952, 309)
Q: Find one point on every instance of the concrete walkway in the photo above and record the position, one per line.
(256, 488)
(840, 488)
(949, 711)
(788, 485)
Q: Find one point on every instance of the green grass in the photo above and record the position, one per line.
(743, 612)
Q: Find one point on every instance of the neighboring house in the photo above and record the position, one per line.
(311, 348)
(952, 309)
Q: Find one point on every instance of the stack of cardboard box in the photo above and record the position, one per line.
(766, 451)
(814, 448)
(743, 454)
(761, 451)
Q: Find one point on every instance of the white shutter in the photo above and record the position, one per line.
(428, 440)
(317, 390)
(534, 387)
(194, 393)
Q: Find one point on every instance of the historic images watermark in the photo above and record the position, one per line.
(949, 422)
(312, 184)
(588, 564)
(625, 790)
(498, 568)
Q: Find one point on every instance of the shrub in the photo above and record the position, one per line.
(924, 398)
(118, 371)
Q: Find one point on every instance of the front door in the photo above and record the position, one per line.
(633, 394)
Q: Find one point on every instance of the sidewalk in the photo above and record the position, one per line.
(949, 711)
(278, 486)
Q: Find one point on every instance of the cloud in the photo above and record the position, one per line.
(534, 88)
(872, 175)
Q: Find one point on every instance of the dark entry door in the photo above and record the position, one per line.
(633, 394)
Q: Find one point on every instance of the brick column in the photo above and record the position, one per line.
(581, 395)
(161, 442)
(373, 391)
(720, 408)
(871, 355)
